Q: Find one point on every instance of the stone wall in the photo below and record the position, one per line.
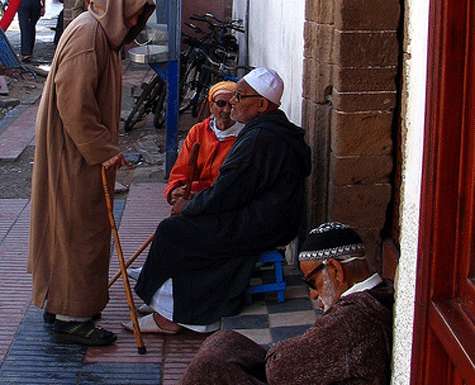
(349, 86)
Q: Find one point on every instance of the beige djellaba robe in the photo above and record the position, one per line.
(76, 130)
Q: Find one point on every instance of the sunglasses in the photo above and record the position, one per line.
(239, 96)
(309, 281)
(222, 103)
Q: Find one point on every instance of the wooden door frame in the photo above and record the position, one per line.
(440, 325)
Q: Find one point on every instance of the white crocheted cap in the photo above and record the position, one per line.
(267, 83)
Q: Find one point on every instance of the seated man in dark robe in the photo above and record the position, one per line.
(201, 260)
(216, 135)
(349, 344)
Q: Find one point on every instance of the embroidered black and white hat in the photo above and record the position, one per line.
(332, 240)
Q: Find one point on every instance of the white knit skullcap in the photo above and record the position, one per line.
(267, 83)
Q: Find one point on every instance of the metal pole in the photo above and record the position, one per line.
(173, 76)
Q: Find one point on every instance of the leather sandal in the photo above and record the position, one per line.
(82, 333)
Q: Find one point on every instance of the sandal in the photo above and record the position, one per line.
(82, 333)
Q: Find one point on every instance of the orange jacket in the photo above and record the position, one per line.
(210, 158)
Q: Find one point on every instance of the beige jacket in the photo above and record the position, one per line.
(76, 130)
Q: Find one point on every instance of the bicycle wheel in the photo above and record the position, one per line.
(189, 86)
(203, 85)
(142, 105)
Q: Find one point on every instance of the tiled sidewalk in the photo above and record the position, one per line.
(29, 355)
(19, 134)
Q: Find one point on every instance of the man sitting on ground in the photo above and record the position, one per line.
(201, 260)
(349, 344)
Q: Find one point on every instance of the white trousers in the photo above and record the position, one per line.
(162, 303)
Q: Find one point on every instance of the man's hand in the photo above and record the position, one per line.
(116, 161)
(179, 205)
(177, 193)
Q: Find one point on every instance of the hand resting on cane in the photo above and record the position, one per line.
(116, 161)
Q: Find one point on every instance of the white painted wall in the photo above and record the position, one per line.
(413, 110)
(276, 41)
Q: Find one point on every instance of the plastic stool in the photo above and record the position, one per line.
(278, 285)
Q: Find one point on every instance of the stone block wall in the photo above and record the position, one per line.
(349, 87)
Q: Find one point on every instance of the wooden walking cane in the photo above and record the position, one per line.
(193, 164)
(128, 292)
(139, 251)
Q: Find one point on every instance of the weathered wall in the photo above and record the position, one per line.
(350, 69)
(412, 117)
(276, 40)
(220, 8)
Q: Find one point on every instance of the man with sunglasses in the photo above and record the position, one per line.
(216, 135)
(349, 344)
(201, 260)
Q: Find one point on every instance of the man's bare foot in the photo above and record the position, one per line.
(166, 324)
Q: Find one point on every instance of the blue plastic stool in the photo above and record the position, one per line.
(278, 285)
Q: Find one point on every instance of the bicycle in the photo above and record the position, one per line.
(150, 100)
(207, 60)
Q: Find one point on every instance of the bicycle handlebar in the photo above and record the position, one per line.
(220, 66)
(233, 24)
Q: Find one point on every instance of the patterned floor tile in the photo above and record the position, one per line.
(284, 332)
(298, 318)
(296, 292)
(257, 307)
(290, 305)
(259, 336)
(257, 321)
(293, 280)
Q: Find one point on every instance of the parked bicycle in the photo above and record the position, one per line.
(207, 59)
(150, 100)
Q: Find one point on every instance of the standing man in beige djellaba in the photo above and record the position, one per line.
(77, 131)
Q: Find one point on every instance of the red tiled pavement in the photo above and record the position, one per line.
(18, 134)
(143, 211)
(9, 211)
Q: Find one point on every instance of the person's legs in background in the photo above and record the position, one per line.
(28, 15)
(59, 28)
